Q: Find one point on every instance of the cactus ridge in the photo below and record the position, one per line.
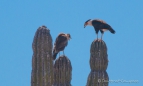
(98, 78)
(42, 63)
(98, 64)
(62, 71)
(98, 55)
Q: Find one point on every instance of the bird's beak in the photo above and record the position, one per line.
(85, 25)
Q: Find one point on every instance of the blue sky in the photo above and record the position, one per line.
(20, 20)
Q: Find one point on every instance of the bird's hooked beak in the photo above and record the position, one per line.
(85, 25)
(70, 38)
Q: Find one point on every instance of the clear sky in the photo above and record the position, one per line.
(19, 20)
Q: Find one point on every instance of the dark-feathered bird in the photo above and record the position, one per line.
(99, 25)
(60, 44)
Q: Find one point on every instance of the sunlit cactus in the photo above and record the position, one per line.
(98, 55)
(62, 72)
(98, 78)
(42, 61)
(98, 64)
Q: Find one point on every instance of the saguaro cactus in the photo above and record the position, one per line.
(62, 72)
(98, 64)
(42, 63)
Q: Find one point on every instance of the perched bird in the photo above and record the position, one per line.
(60, 44)
(99, 25)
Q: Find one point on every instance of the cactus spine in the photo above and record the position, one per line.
(98, 64)
(42, 63)
(62, 72)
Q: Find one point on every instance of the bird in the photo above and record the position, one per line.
(99, 25)
(60, 43)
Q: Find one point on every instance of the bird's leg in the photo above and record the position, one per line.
(63, 53)
(101, 36)
(97, 36)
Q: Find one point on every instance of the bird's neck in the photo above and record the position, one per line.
(67, 37)
(90, 22)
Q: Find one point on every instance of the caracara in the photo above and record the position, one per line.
(99, 25)
(60, 44)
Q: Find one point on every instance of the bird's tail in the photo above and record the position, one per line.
(54, 55)
(112, 31)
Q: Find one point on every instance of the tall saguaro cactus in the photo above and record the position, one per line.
(42, 62)
(98, 64)
(62, 72)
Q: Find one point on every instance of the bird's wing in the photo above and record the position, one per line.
(101, 24)
(107, 26)
(61, 41)
(96, 23)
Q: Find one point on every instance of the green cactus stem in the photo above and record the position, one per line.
(98, 55)
(98, 64)
(62, 72)
(42, 62)
(98, 78)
